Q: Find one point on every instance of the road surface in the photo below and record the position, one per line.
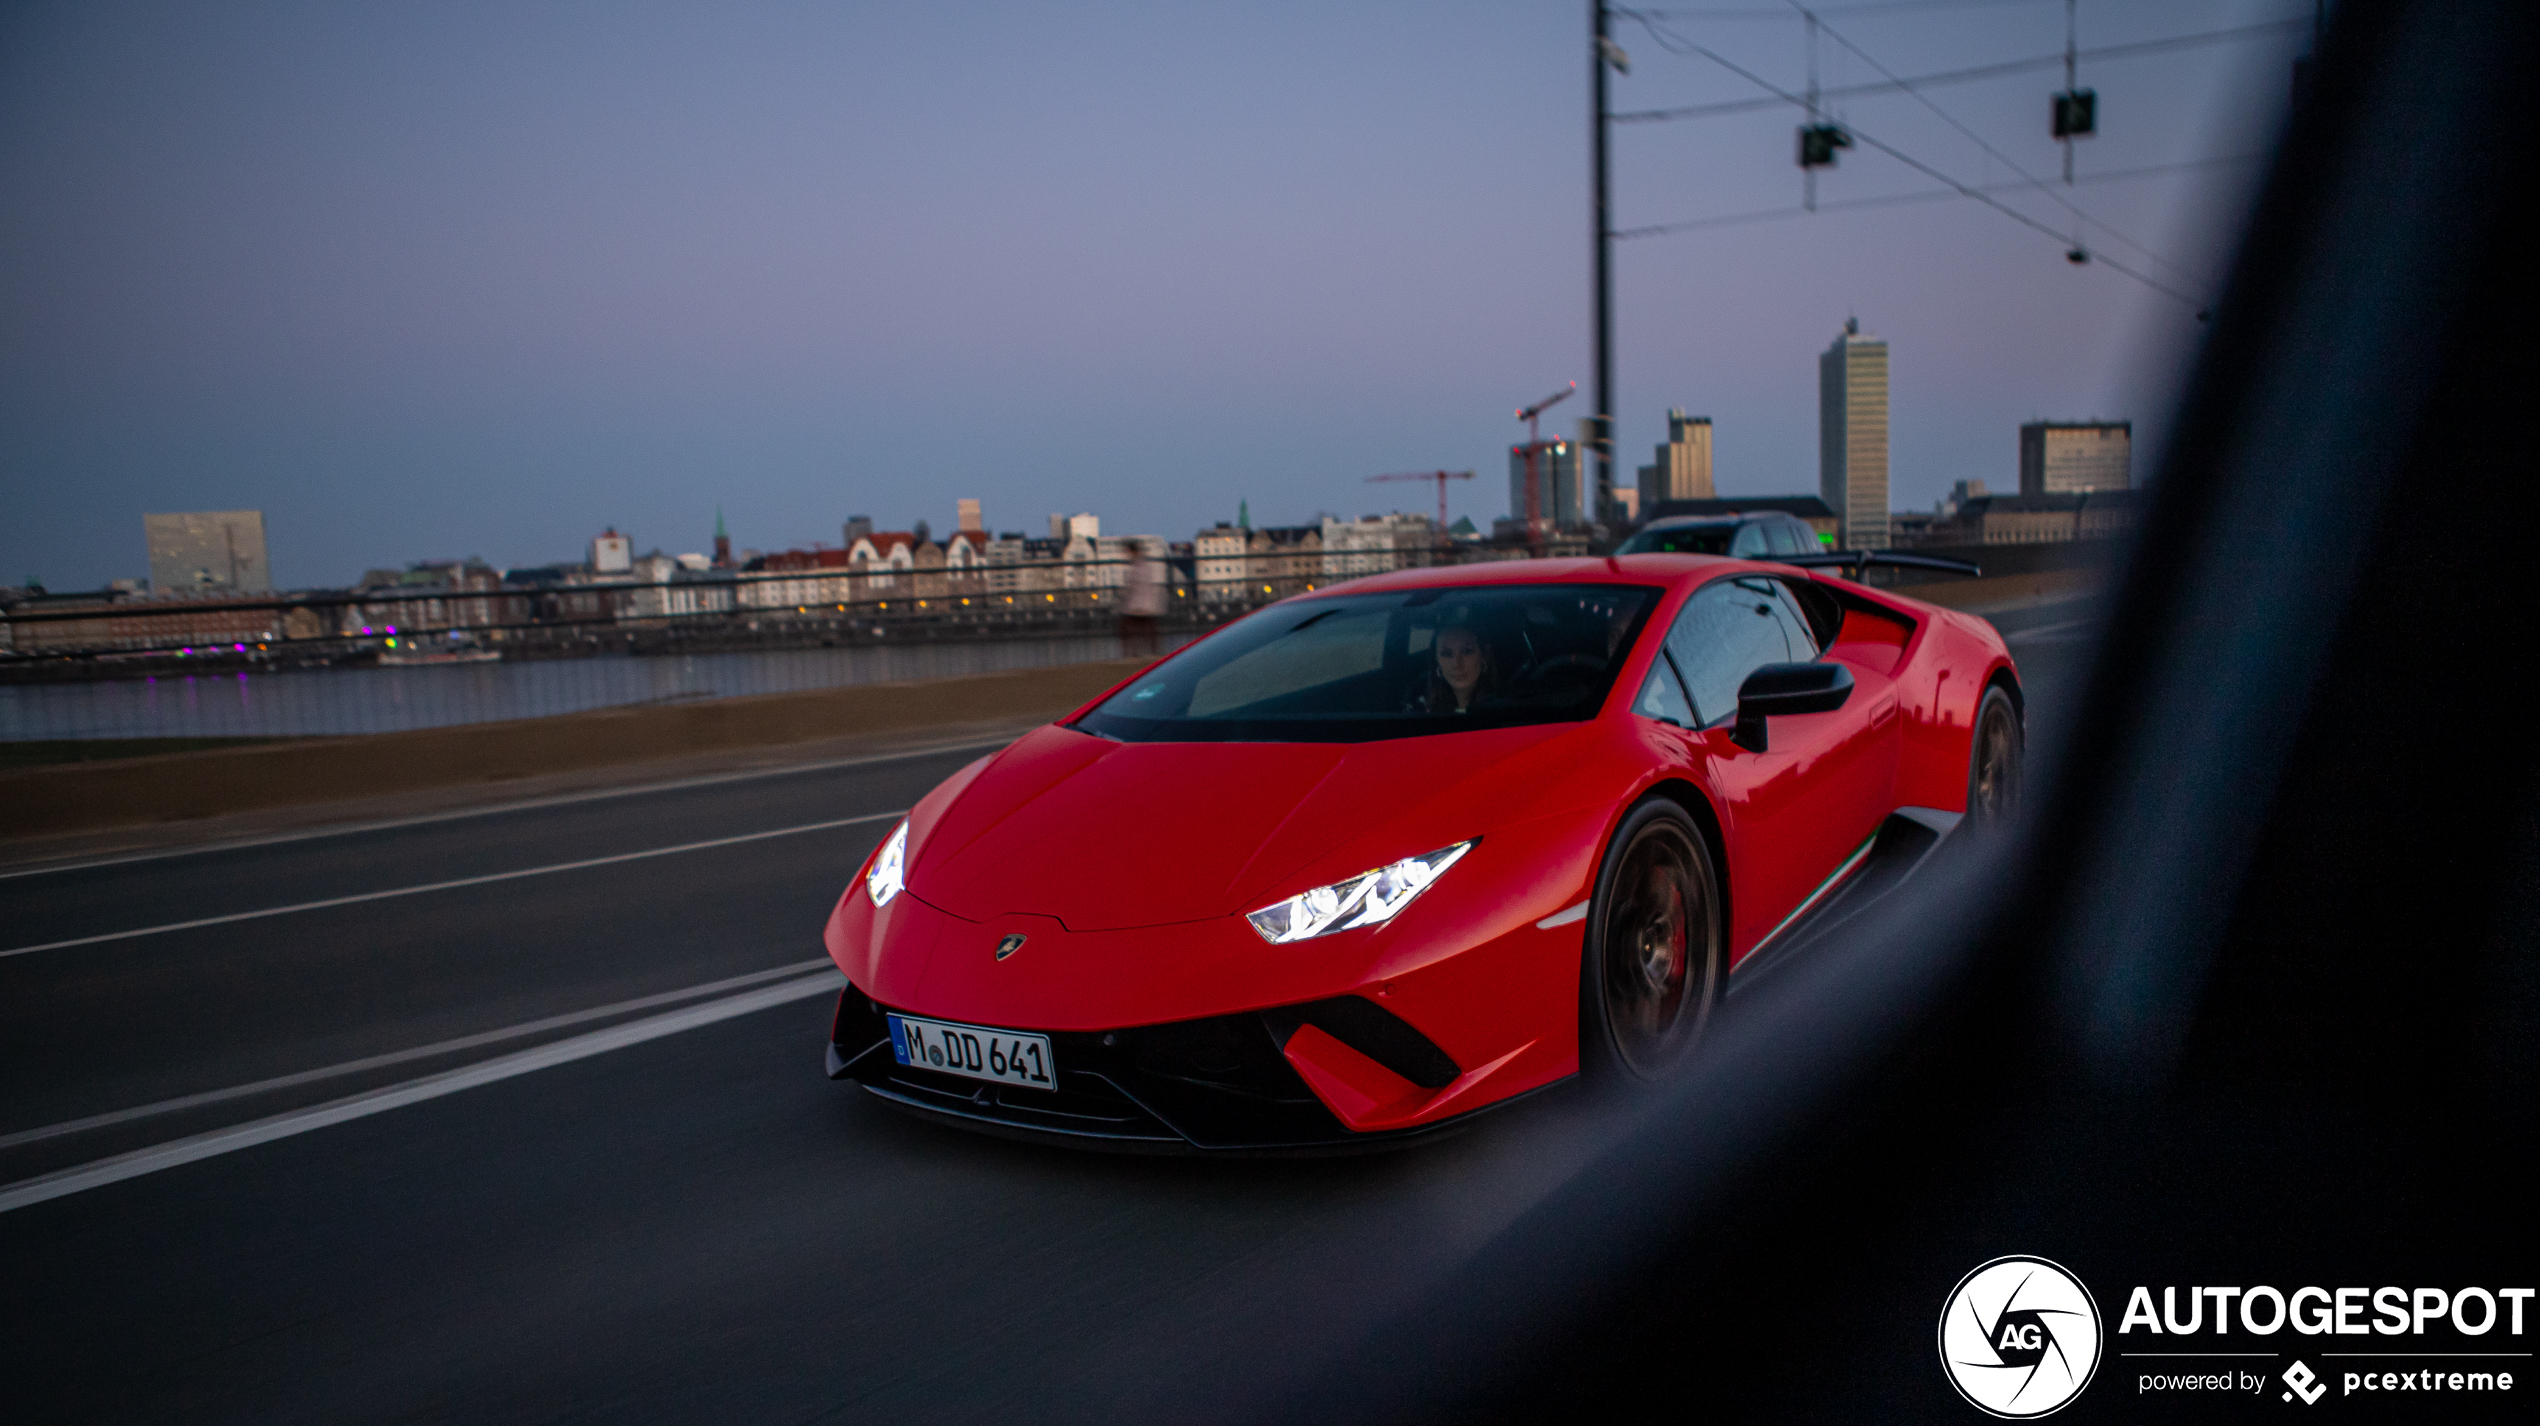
(519, 1115)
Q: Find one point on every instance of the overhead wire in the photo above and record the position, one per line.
(1929, 195)
(1961, 76)
(1981, 142)
(1892, 7)
(1678, 44)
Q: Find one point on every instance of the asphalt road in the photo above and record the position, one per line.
(554, 1144)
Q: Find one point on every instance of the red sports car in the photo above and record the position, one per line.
(1374, 858)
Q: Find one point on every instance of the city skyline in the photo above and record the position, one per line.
(421, 284)
(1683, 473)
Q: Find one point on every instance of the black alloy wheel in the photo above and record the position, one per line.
(1651, 968)
(1994, 755)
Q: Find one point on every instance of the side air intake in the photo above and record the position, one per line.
(1371, 1030)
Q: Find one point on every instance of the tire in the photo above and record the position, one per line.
(1651, 968)
(1995, 753)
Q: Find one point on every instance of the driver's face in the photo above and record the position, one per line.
(1618, 622)
(1460, 659)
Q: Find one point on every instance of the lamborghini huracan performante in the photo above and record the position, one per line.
(1371, 859)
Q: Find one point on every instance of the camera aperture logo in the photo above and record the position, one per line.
(2019, 1337)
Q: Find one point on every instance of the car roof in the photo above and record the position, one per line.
(1688, 522)
(1651, 569)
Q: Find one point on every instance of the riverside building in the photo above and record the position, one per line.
(2076, 457)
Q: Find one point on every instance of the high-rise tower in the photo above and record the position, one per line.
(1559, 499)
(207, 550)
(1681, 469)
(722, 542)
(1852, 436)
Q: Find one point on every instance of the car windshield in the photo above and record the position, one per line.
(1360, 668)
(1681, 540)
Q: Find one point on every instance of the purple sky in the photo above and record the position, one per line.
(454, 279)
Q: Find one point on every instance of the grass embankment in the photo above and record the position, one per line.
(52, 752)
(178, 786)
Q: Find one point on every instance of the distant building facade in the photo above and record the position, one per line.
(672, 587)
(2076, 457)
(1023, 566)
(1219, 550)
(612, 553)
(798, 579)
(1682, 467)
(208, 550)
(1557, 492)
(119, 619)
(1852, 436)
(1283, 559)
(2036, 519)
(1375, 543)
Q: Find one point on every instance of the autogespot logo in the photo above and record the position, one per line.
(2019, 1337)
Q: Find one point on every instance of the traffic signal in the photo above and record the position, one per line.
(2076, 113)
(1817, 143)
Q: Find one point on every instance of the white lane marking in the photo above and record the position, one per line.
(2044, 630)
(398, 1057)
(197, 1147)
(449, 885)
(1563, 918)
(533, 804)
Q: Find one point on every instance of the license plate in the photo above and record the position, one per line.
(1003, 1056)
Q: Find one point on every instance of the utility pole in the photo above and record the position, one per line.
(2072, 84)
(1808, 170)
(1603, 51)
(2076, 116)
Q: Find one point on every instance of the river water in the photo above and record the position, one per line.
(316, 702)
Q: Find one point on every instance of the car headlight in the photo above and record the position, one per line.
(1363, 900)
(889, 871)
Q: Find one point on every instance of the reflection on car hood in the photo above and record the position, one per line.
(1105, 835)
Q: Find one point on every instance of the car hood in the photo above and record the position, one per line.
(1104, 835)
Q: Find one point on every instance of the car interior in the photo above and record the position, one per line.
(1334, 669)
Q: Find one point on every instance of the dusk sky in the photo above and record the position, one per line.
(437, 280)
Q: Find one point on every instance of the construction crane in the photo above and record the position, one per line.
(1533, 449)
(1440, 476)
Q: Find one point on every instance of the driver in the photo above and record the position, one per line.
(1618, 622)
(1462, 675)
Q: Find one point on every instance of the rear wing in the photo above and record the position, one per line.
(1860, 560)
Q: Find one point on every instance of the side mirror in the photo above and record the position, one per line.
(1781, 688)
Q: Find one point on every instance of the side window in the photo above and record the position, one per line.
(1802, 640)
(1727, 631)
(1661, 699)
(1750, 542)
